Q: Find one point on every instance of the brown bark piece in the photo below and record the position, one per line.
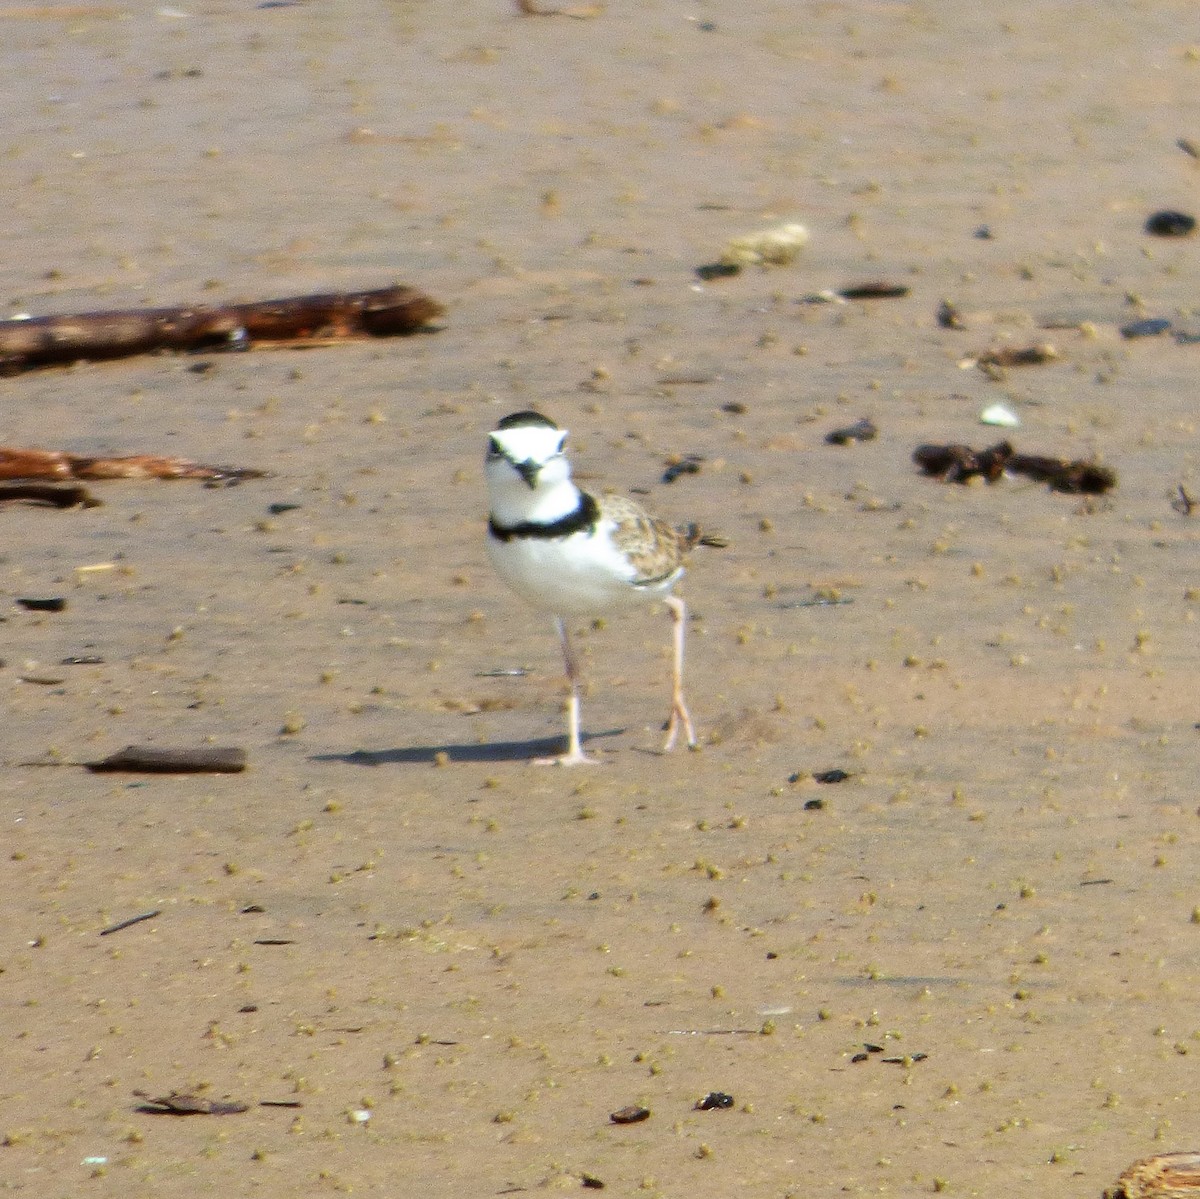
(1167, 1176)
(18, 463)
(326, 317)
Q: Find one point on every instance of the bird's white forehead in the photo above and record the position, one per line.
(529, 443)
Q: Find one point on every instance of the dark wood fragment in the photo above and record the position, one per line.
(153, 759)
(123, 924)
(55, 603)
(875, 290)
(48, 495)
(175, 1104)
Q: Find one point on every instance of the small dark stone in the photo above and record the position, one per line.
(861, 430)
(830, 776)
(870, 1048)
(814, 805)
(687, 465)
(772, 955)
(86, 660)
(630, 1115)
(1147, 328)
(56, 604)
(860, 1057)
(1169, 223)
(714, 1100)
(592, 1182)
(718, 270)
(278, 508)
(983, 233)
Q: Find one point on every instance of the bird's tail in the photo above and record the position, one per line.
(693, 536)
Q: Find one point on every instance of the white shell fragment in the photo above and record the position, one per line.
(776, 246)
(997, 414)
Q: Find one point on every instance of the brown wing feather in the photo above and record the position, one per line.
(653, 546)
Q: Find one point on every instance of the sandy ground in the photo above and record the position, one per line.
(487, 957)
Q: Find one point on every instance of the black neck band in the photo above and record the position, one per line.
(585, 515)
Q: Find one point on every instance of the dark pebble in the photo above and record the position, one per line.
(57, 604)
(718, 270)
(279, 508)
(1170, 224)
(861, 430)
(860, 1057)
(830, 776)
(814, 805)
(86, 660)
(1147, 328)
(983, 233)
(688, 465)
(592, 1182)
(714, 1101)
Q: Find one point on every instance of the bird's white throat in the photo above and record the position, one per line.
(513, 500)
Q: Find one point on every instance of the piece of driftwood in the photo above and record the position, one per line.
(56, 464)
(176, 1104)
(313, 320)
(48, 495)
(153, 759)
(960, 463)
(1167, 1176)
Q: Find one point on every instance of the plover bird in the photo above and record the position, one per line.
(572, 554)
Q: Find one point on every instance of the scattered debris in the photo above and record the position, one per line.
(1165, 1176)
(1151, 327)
(775, 246)
(630, 1115)
(995, 362)
(1184, 503)
(688, 464)
(175, 1104)
(877, 289)
(30, 342)
(714, 1101)
(718, 270)
(151, 759)
(48, 496)
(960, 463)
(54, 604)
(862, 430)
(57, 464)
(123, 924)
(999, 415)
(527, 8)
(1169, 223)
(948, 316)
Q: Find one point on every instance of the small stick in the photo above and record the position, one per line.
(123, 924)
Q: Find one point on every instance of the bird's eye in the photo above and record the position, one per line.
(494, 450)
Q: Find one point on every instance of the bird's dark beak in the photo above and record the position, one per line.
(528, 470)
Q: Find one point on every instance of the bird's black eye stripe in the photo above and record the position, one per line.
(494, 450)
(561, 442)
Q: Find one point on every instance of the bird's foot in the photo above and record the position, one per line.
(573, 757)
(679, 718)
